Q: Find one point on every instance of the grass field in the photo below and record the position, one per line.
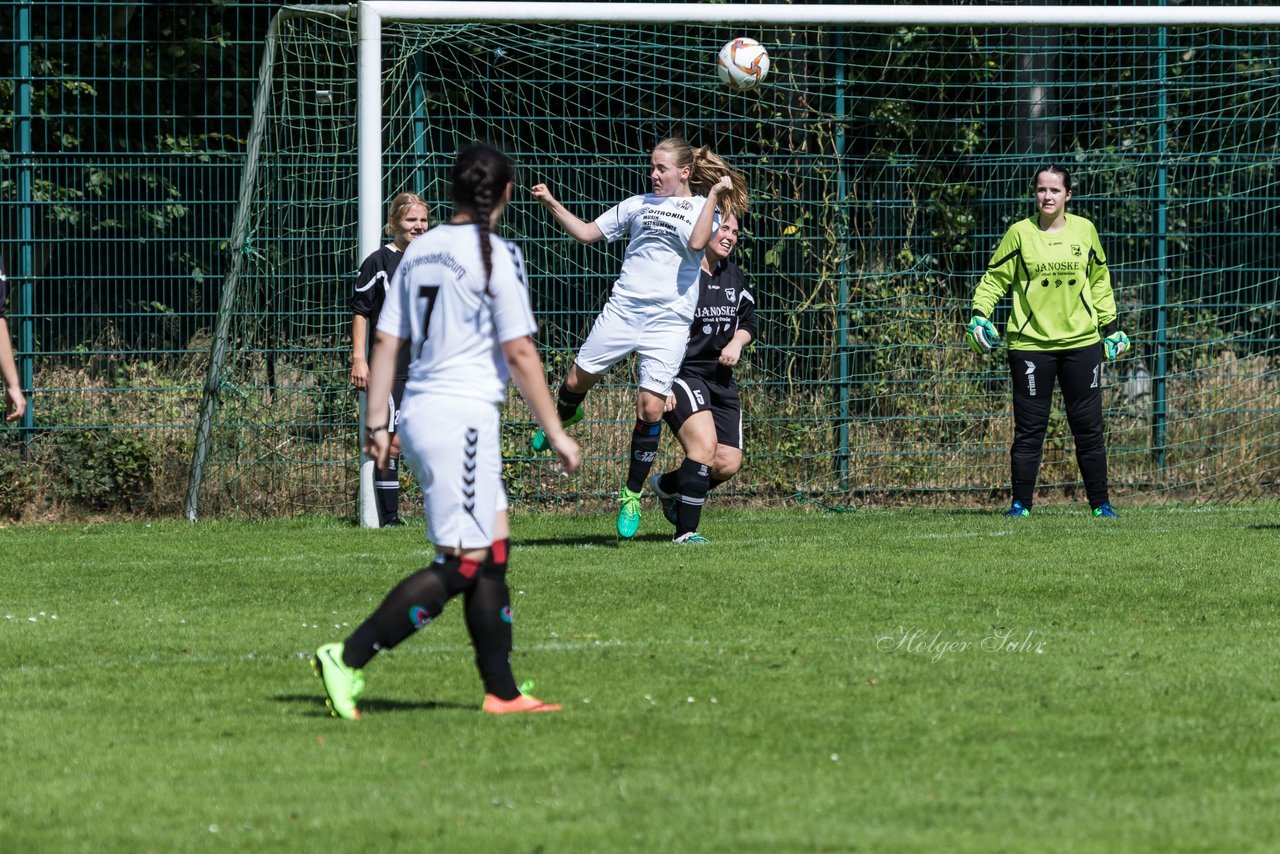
(868, 681)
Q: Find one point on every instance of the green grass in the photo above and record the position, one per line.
(754, 695)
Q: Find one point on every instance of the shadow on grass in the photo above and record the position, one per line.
(602, 540)
(370, 706)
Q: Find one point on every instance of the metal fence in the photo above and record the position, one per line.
(887, 162)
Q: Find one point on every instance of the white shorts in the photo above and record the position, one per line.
(657, 335)
(453, 445)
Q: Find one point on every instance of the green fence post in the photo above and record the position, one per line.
(26, 214)
(1158, 380)
(842, 272)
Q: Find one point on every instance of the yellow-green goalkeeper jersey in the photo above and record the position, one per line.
(1061, 287)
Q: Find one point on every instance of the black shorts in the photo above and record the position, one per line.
(695, 394)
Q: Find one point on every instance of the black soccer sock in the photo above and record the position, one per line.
(714, 482)
(488, 610)
(693, 478)
(386, 493)
(668, 482)
(411, 604)
(567, 402)
(644, 448)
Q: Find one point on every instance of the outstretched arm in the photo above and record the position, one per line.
(580, 230)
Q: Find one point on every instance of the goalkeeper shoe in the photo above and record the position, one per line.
(523, 703)
(668, 501)
(539, 440)
(1105, 511)
(693, 538)
(343, 684)
(1017, 510)
(628, 513)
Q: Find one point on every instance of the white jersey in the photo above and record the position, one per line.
(437, 302)
(659, 267)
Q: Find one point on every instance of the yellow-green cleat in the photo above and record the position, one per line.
(628, 513)
(342, 684)
(539, 440)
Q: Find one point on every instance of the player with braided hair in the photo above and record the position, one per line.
(653, 300)
(459, 298)
(406, 220)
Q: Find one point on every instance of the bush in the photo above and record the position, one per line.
(18, 484)
(104, 469)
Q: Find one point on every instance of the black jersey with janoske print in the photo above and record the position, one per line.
(725, 305)
(371, 291)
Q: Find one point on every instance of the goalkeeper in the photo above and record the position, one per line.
(1062, 324)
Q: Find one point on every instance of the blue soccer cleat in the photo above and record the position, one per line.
(1017, 511)
(666, 500)
(1105, 511)
(693, 538)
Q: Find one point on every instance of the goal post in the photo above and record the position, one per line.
(887, 152)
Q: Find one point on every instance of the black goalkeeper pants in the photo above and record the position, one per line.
(1079, 373)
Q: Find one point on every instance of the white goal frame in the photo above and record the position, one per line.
(373, 13)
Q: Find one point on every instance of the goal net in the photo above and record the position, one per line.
(885, 162)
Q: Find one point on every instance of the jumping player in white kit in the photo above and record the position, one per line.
(653, 300)
(459, 298)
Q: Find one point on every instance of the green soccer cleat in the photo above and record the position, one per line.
(539, 440)
(666, 500)
(693, 538)
(628, 513)
(343, 684)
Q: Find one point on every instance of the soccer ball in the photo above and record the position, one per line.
(742, 64)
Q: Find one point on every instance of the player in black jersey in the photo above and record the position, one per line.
(406, 219)
(704, 410)
(15, 403)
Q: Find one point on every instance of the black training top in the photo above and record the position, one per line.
(725, 305)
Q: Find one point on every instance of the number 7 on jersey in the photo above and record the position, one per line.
(428, 293)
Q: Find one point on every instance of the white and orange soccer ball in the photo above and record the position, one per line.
(742, 64)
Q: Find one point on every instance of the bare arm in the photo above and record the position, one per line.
(732, 352)
(382, 369)
(580, 230)
(359, 347)
(701, 235)
(531, 379)
(17, 404)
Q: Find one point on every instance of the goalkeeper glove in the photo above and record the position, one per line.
(982, 335)
(1115, 344)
